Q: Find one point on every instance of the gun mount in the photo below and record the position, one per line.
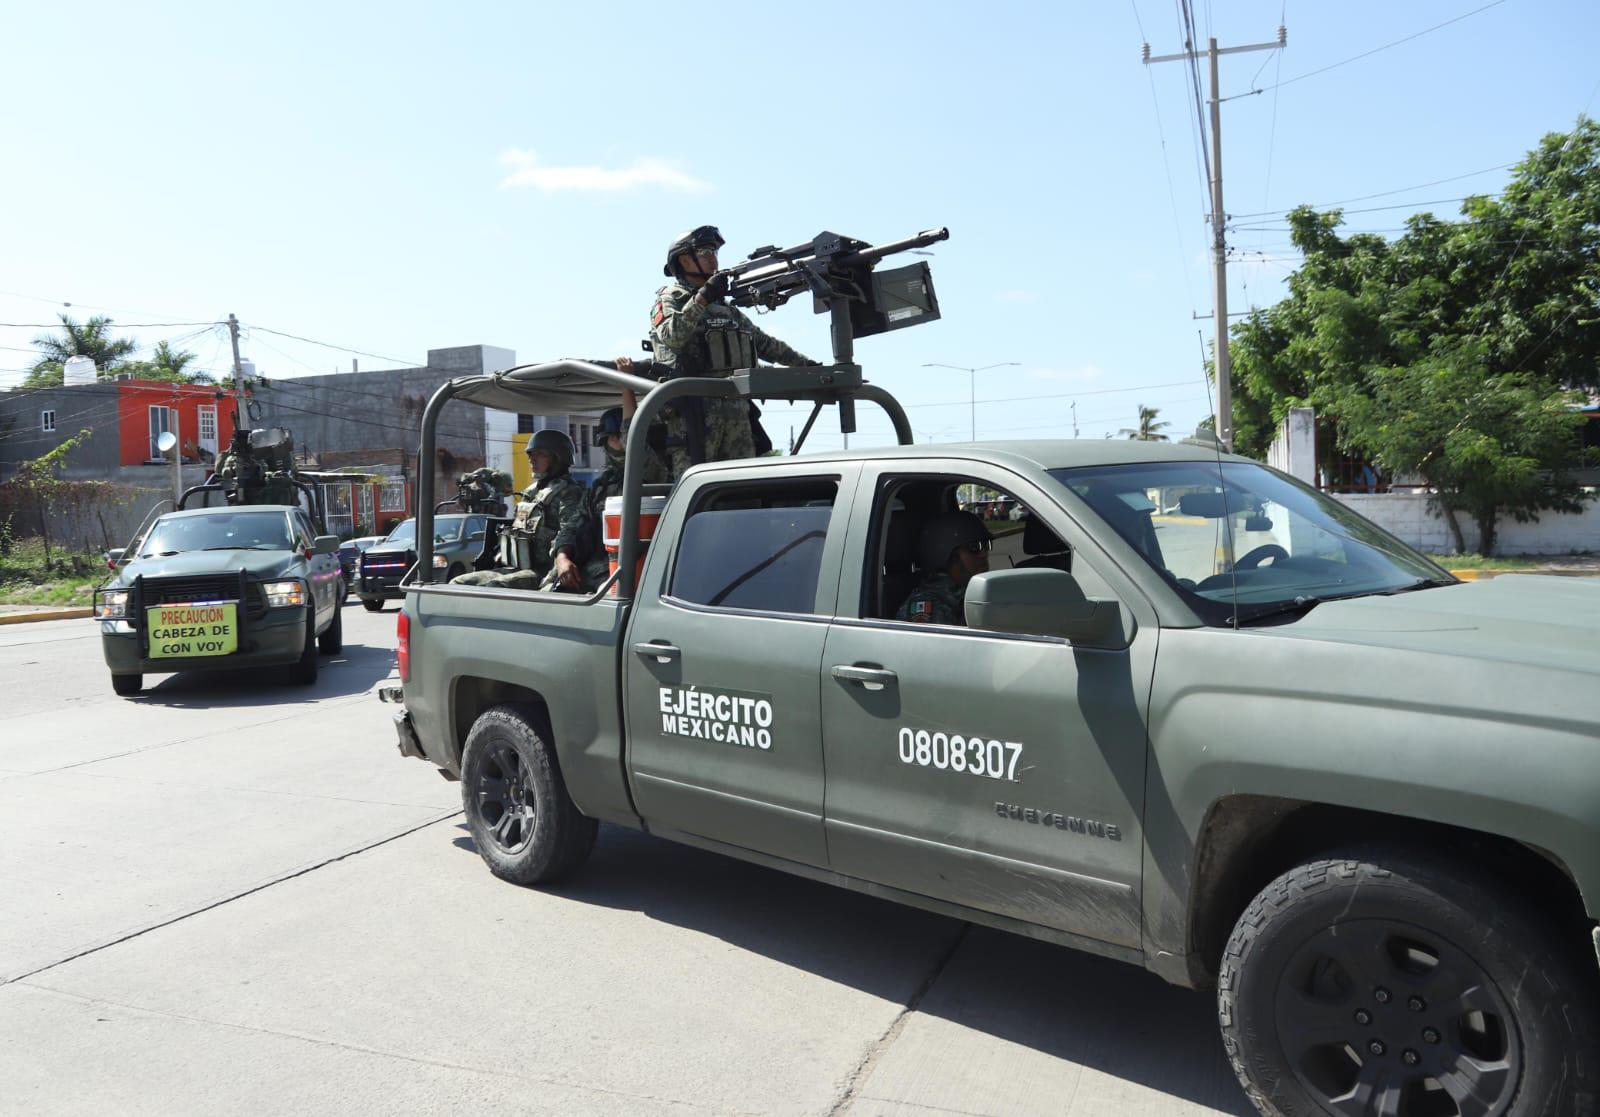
(483, 490)
(838, 271)
(258, 468)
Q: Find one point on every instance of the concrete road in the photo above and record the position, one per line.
(232, 895)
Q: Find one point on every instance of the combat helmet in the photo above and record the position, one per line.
(698, 237)
(610, 423)
(559, 446)
(944, 533)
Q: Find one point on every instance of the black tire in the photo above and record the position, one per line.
(303, 671)
(332, 638)
(127, 685)
(1386, 977)
(525, 825)
(372, 606)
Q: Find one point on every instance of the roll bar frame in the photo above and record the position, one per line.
(840, 384)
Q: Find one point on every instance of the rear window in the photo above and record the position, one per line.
(755, 547)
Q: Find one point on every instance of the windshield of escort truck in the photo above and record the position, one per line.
(1236, 536)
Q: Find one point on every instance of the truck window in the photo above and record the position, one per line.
(755, 546)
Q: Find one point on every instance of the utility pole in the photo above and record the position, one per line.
(972, 387)
(1074, 418)
(1219, 223)
(240, 415)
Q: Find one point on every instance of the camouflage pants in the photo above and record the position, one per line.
(503, 579)
(728, 434)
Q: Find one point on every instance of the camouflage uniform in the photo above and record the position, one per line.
(715, 340)
(607, 484)
(550, 515)
(938, 600)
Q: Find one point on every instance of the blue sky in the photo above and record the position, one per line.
(393, 178)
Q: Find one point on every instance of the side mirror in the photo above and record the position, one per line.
(114, 556)
(325, 545)
(1037, 602)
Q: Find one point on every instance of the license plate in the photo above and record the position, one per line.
(186, 631)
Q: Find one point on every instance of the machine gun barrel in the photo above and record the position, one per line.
(769, 263)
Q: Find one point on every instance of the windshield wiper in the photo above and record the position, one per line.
(1299, 607)
(1420, 584)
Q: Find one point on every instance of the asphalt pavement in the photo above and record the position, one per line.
(232, 895)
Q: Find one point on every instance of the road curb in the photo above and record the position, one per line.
(53, 615)
(1485, 575)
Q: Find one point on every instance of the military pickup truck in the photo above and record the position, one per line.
(1197, 717)
(208, 589)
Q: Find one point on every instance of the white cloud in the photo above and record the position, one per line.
(527, 171)
(1016, 297)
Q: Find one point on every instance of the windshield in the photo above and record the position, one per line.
(262, 531)
(1214, 530)
(446, 529)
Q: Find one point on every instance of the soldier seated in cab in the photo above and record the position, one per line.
(953, 548)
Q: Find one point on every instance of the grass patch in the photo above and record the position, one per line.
(70, 578)
(1491, 562)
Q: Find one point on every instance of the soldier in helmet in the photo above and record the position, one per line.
(541, 544)
(954, 547)
(611, 436)
(695, 333)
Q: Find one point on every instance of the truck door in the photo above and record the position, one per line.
(998, 771)
(720, 665)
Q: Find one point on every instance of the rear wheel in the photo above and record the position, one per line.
(372, 605)
(525, 825)
(1390, 985)
(127, 685)
(303, 672)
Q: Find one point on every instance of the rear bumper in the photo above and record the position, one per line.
(276, 638)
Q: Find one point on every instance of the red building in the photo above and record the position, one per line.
(200, 415)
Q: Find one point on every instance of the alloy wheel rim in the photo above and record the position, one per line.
(505, 799)
(1380, 1018)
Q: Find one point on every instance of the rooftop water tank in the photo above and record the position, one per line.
(78, 370)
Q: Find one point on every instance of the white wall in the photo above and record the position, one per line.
(499, 426)
(1410, 517)
(1294, 451)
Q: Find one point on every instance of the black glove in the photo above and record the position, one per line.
(716, 287)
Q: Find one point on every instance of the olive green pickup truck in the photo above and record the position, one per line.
(1196, 717)
(218, 588)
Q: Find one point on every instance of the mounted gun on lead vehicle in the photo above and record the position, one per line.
(258, 467)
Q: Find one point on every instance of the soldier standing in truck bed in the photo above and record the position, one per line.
(695, 333)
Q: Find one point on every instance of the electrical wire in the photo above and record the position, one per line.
(1375, 50)
(1166, 166)
(341, 348)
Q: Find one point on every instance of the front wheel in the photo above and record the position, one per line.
(127, 685)
(303, 672)
(525, 825)
(372, 605)
(332, 638)
(1383, 983)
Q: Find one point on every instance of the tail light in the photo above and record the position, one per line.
(402, 630)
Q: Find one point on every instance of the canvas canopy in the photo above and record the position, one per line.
(553, 388)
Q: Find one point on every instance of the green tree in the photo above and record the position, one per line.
(1148, 429)
(1483, 441)
(1510, 293)
(167, 364)
(78, 339)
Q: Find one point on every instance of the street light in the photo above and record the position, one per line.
(973, 384)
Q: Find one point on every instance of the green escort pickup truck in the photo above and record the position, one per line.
(1252, 743)
(1193, 716)
(218, 588)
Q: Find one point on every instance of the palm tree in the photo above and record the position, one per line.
(78, 339)
(1149, 430)
(165, 359)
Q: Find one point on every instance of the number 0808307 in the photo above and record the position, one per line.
(952, 752)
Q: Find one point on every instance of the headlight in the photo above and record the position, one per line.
(440, 562)
(110, 605)
(280, 594)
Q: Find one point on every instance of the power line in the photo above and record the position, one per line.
(341, 348)
(1166, 165)
(1375, 50)
(56, 325)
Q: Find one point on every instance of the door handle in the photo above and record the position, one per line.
(661, 653)
(873, 678)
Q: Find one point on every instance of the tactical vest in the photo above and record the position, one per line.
(728, 340)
